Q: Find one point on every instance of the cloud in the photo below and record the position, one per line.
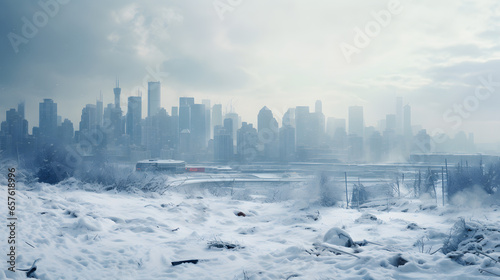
(279, 53)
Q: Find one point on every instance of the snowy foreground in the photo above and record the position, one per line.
(78, 233)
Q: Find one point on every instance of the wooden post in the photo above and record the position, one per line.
(447, 176)
(442, 183)
(346, 193)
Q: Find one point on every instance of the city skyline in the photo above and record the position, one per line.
(228, 57)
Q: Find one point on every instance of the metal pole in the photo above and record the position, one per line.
(442, 183)
(346, 193)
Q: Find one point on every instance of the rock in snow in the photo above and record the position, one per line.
(337, 236)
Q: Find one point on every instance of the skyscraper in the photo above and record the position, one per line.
(88, 118)
(99, 112)
(154, 98)
(134, 117)
(356, 122)
(247, 140)
(208, 118)
(185, 112)
(268, 133)
(198, 131)
(48, 118)
(117, 91)
(302, 128)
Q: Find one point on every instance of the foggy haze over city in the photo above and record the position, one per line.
(282, 60)
(250, 139)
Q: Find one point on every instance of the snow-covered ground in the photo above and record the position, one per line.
(78, 233)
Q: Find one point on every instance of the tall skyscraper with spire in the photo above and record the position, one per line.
(117, 90)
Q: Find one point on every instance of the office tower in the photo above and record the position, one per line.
(356, 122)
(20, 109)
(236, 124)
(247, 141)
(287, 143)
(117, 91)
(302, 128)
(198, 130)
(99, 112)
(185, 112)
(66, 132)
(289, 118)
(208, 118)
(264, 120)
(175, 111)
(267, 127)
(88, 118)
(317, 125)
(13, 133)
(173, 128)
(184, 143)
(186, 101)
(48, 118)
(399, 115)
(154, 98)
(134, 118)
(223, 142)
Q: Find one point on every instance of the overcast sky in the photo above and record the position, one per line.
(255, 53)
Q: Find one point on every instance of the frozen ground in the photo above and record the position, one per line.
(78, 233)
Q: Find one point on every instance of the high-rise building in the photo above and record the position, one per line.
(356, 121)
(185, 112)
(317, 125)
(247, 142)
(117, 91)
(20, 109)
(223, 141)
(198, 130)
(134, 118)
(236, 124)
(48, 118)
(208, 118)
(88, 118)
(66, 132)
(302, 128)
(154, 98)
(99, 112)
(268, 133)
(289, 118)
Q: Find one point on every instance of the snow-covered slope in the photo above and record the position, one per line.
(83, 234)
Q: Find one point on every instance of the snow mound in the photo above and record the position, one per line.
(367, 218)
(337, 236)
